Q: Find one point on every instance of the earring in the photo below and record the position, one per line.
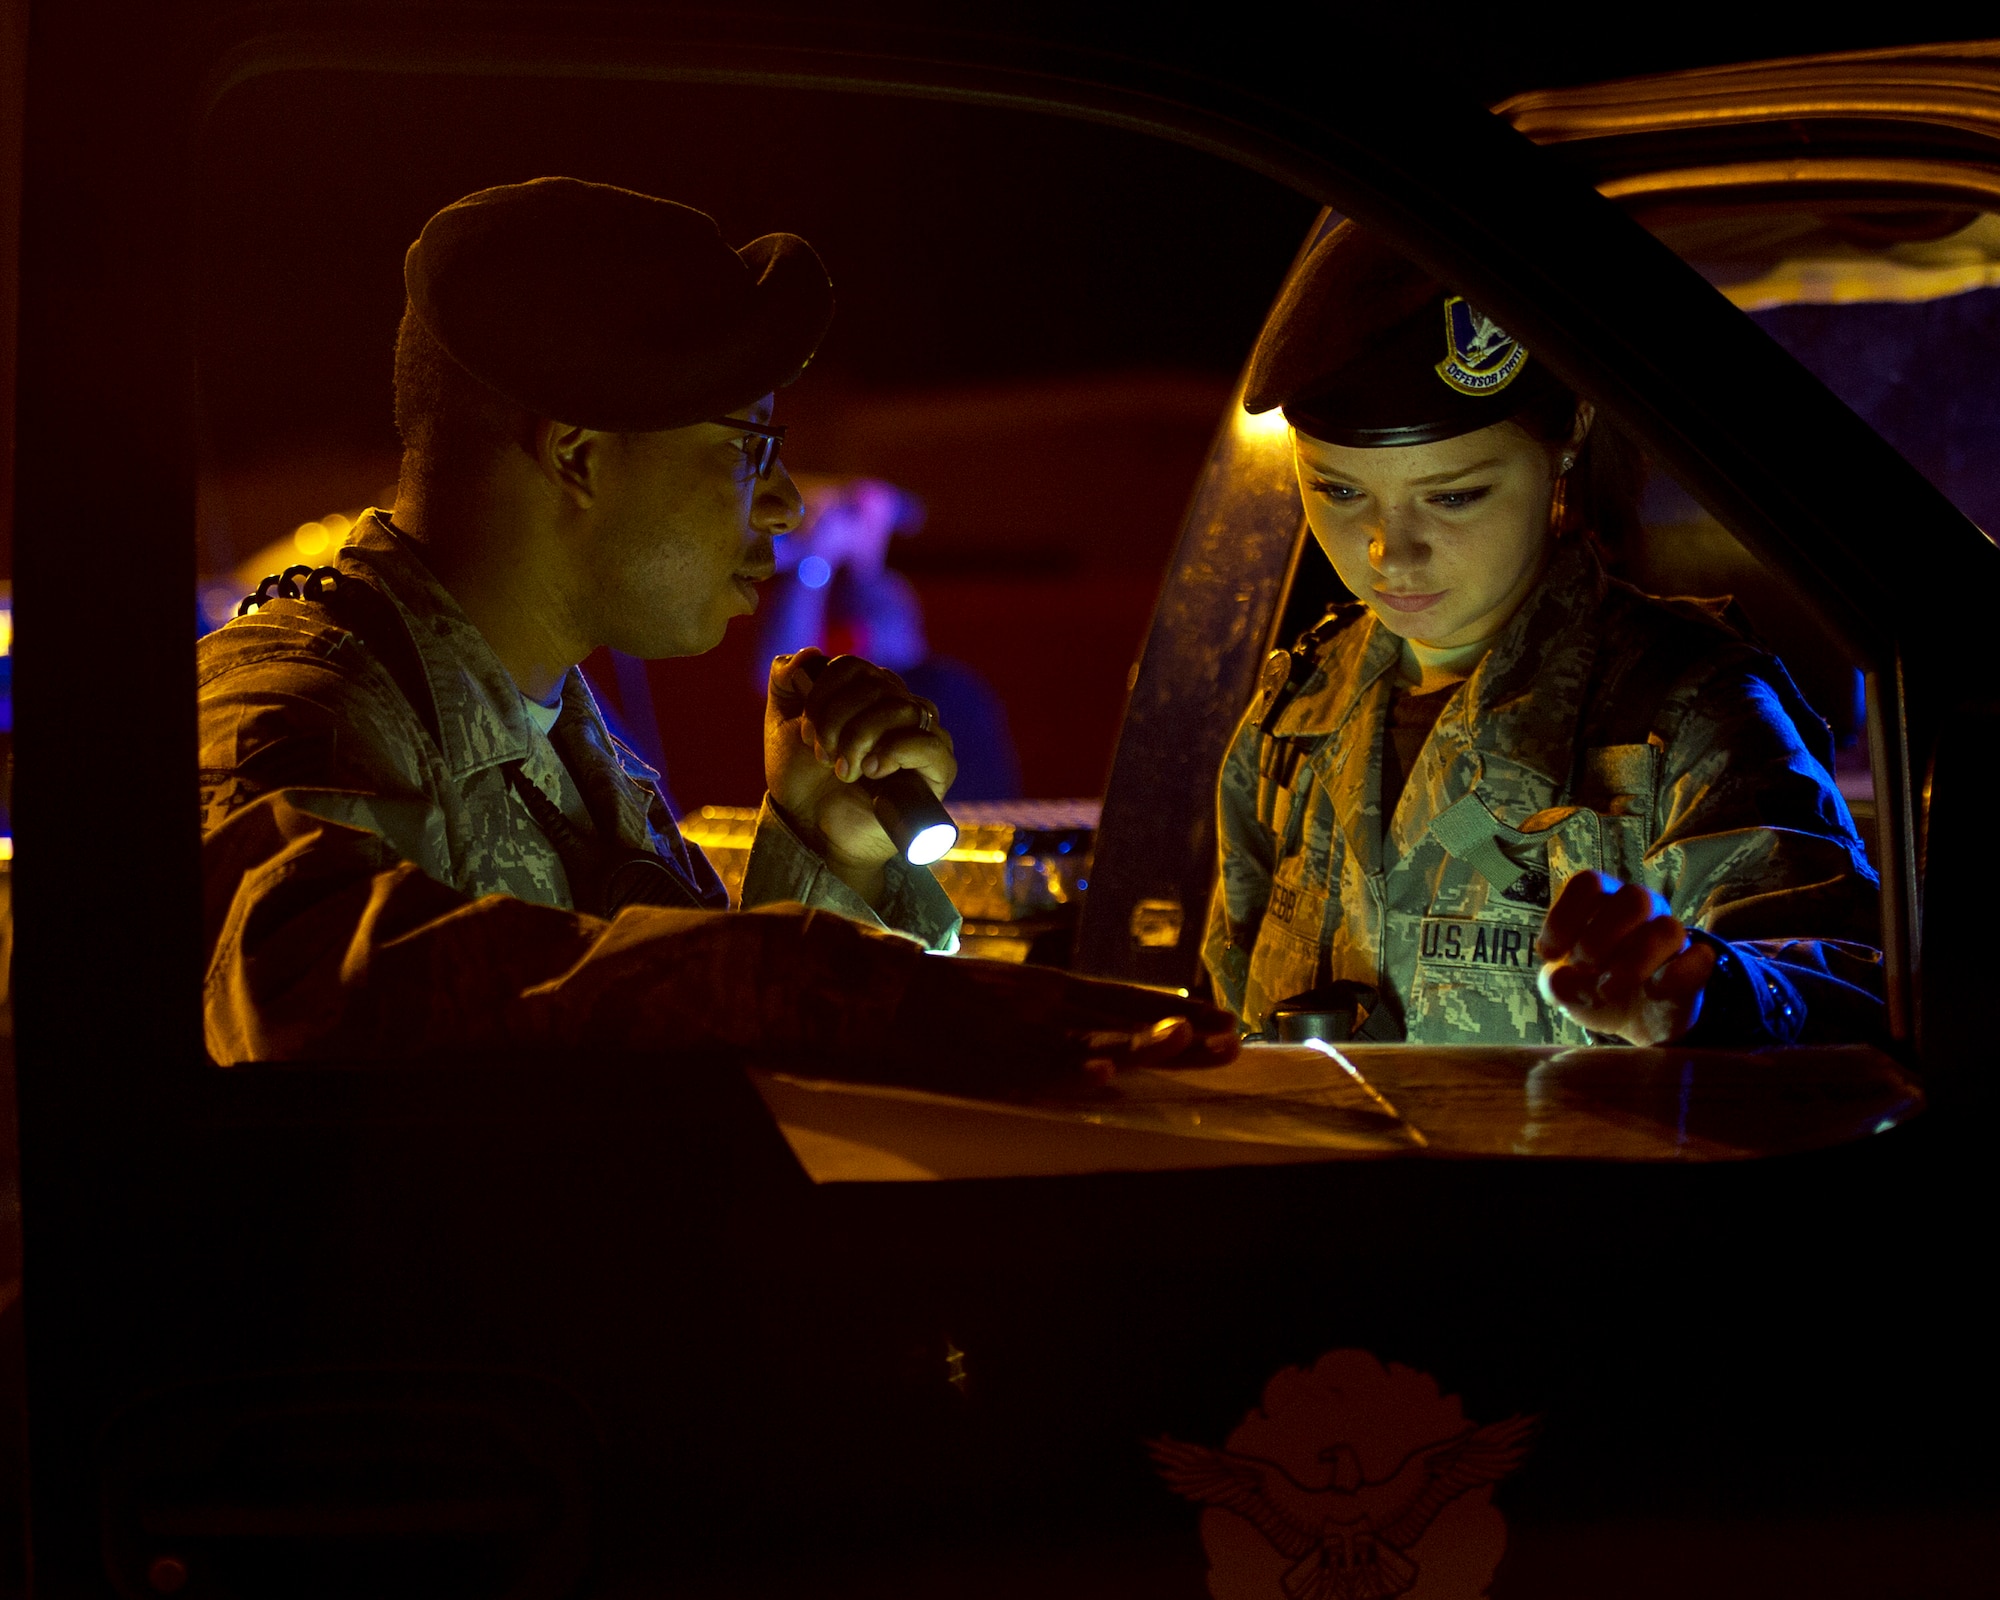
(1559, 507)
(1568, 461)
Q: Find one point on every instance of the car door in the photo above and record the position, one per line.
(557, 1324)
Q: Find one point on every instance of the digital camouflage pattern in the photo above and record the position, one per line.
(377, 888)
(1605, 729)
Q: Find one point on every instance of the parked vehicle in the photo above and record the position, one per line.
(591, 1326)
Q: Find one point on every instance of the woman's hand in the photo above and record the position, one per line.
(1615, 961)
(829, 724)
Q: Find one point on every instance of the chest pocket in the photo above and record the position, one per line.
(1287, 957)
(1613, 829)
(1513, 861)
(1619, 780)
(1619, 787)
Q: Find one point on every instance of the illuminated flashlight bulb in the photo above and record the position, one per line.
(932, 844)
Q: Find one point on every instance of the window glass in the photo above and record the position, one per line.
(1897, 311)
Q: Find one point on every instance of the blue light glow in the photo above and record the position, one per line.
(815, 573)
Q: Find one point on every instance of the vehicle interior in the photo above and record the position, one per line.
(584, 1327)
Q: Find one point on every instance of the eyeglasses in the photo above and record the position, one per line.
(763, 454)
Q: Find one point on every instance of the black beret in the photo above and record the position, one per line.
(1365, 349)
(589, 304)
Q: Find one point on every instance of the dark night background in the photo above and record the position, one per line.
(966, 245)
(1038, 325)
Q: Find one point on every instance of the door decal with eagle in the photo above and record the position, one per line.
(1354, 1481)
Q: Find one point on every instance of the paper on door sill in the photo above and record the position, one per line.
(1275, 1104)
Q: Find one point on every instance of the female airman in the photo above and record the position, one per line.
(1501, 797)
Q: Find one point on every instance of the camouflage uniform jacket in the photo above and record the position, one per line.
(1604, 729)
(376, 882)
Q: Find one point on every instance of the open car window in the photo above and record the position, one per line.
(1044, 464)
(994, 444)
(1240, 546)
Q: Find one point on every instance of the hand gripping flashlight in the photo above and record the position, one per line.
(910, 814)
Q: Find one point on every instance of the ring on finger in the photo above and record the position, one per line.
(925, 721)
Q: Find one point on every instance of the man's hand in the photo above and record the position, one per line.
(821, 737)
(988, 1027)
(1110, 1031)
(1616, 962)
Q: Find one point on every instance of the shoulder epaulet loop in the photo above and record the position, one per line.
(1285, 671)
(364, 611)
(1626, 709)
(294, 583)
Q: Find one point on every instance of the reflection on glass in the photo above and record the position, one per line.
(1895, 308)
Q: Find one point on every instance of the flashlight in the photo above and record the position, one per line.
(913, 817)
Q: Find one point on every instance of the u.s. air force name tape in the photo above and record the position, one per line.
(1462, 942)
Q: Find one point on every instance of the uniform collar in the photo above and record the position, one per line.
(1358, 656)
(617, 787)
(1521, 704)
(480, 719)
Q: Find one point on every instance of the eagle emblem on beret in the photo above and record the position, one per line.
(1480, 356)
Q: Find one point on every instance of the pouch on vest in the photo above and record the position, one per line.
(1468, 832)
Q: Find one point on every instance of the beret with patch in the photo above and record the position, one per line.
(593, 305)
(1365, 349)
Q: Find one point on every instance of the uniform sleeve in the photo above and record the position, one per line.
(1758, 852)
(1246, 853)
(327, 938)
(784, 869)
(325, 944)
